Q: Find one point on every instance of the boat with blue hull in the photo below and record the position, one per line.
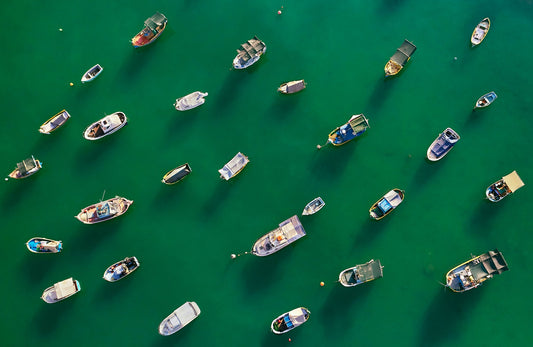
(355, 126)
(121, 269)
(442, 144)
(44, 245)
(290, 320)
(485, 100)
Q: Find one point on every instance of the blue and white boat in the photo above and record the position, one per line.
(386, 204)
(61, 290)
(362, 273)
(355, 126)
(104, 210)
(485, 100)
(44, 245)
(442, 144)
(290, 320)
(501, 188)
(121, 269)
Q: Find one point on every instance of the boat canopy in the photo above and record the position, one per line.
(370, 270)
(250, 48)
(403, 53)
(292, 228)
(174, 321)
(297, 315)
(295, 86)
(155, 21)
(103, 210)
(513, 181)
(234, 166)
(359, 123)
(65, 288)
(26, 165)
(490, 263)
(390, 200)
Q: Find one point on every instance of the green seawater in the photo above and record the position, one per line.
(183, 235)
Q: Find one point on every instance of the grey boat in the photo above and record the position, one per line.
(362, 273)
(288, 231)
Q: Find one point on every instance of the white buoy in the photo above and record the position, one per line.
(233, 256)
(454, 58)
(6, 178)
(60, 29)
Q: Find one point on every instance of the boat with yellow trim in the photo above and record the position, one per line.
(400, 58)
(54, 122)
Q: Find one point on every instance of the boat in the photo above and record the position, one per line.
(104, 210)
(400, 58)
(44, 245)
(290, 320)
(473, 273)
(182, 316)
(355, 126)
(190, 101)
(480, 31)
(442, 144)
(386, 204)
(61, 290)
(485, 100)
(153, 27)
(249, 53)
(314, 206)
(234, 166)
(26, 168)
(288, 231)
(121, 269)
(55, 122)
(177, 174)
(92, 73)
(292, 87)
(362, 273)
(507, 185)
(105, 126)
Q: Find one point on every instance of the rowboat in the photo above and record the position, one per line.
(61, 290)
(26, 168)
(480, 31)
(92, 73)
(104, 210)
(105, 126)
(249, 53)
(190, 101)
(355, 126)
(386, 204)
(314, 206)
(292, 87)
(442, 144)
(177, 174)
(400, 58)
(234, 166)
(182, 316)
(485, 100)
(288, 231)
(507, 185)
(153, 27)
(362, 273)
(121, 269)
(44, 245)
(55, 122)
(290, 320)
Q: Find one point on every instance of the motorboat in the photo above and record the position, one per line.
(92, 73)
(473, 273)
(177, 174)
(249, 53)
(386, 204)
(44, 245)
(290, 320)
(355, 126)
(400, 58)
(501, 188)
(442, 144)
(292, 87)
(485, 100)
(480, 31)
(61, 290)
(314, 206)
(153, 27)
(104, 210)
(362, 273)
(121, 269)
(288, 231)
(182, 316)
(26, 168)
(105, 126)
(190, 101)
(234, 166)
(55, 122)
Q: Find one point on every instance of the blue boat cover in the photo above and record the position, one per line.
(288, 321)
(102, 210)
(384, 205)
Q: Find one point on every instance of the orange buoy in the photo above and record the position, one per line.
(321, 284)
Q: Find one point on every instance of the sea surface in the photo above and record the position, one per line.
(183, 235)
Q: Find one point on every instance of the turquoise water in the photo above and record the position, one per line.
(183, 235)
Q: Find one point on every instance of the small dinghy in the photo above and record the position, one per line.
(249, 53)
(26, 168)
(104, 210)
(288, 231)
(190, 101)
(153, 27)
(480, 31)
(314, 206)
(362, 273)
(121, 269)
(386, 204)
(442, 144)
(44, 245)
(290, 320)
(485, 100)
(61, 290)
(507, 185)
(177, 174)
(55, 122)
(182, 316)
(105, 126)
(234, 166)
(92, 73)
(292, 87)
(400, 58)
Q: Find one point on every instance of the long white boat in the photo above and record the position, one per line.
(362, 273)
(182, 316)
(61, 290)
(442, 144)
(104, 210)
(288, 231)
(190, 101)
(290, 320)
(480, 31)
(54, 122)
(292, 87)
(105, 126)
(234, 166)
(92, 73)
(249, 53)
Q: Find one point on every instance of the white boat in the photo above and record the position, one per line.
(104, 210)
(234, 166)
(92, 73)
(442, 144)
(292, 87)
(121, 269)
(55, 122)
(105, 126)
(480, 31)
(290, 320)
(314, 206)
(288, 231)
(362, 273)
(44, 245)
(249, 53)
(182, 316)
(386, 204)
(26, 168)
(190, 101)
(61, 290)
(507, 185)
(485, 100)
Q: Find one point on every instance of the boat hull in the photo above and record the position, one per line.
(375, 211)
(89, 214)
(121, 269)
(283, 323)
(313, 207)
(54, 122)
(480, 32)
(292, 87)
(99, 129)
(179, 318)
(485, 100)
(442, 144)
(50, 295)
(44, 245)
(176, 175)
(345, 133)
(16, 174)
(190, 101)
(92, 73)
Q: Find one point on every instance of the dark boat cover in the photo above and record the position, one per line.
(26, 165)
(250, 48)
(403, 53)
(490, 263)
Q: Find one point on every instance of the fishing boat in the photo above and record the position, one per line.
(55, 122)
(104, 210)
(355, 126)
(288, 231)
(61, 290)
(177, 174)
(92, 73)
(153, 27)
(121, 269)
(292, 87)
(442, 144)
(290, 320)
(480, 31)
(26, 168)
(507, 185)
(44, 245)
(249, 53)
(473, 273)
(485, 100)
(105, 126)
(362, 273)
(190, 101)
(314, 206)
(400, 58)
(182, 316)
(386, 204)
(234, 166)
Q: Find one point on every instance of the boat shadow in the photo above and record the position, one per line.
(182, 335)
(329, 163)
(425, 172)
(18, 190)
(482, 217)
(45, 143)
(229, 90)
(271, 339)
(93, 235)
(182, 123)
(94, 152)
(370, 231)
(259, 274)
(171, 196)
(446, 316)
(35, 268)
(138, 60)
(109, 291)
(380, 93)
(283, 106)
(220, 194)
(51, 316)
